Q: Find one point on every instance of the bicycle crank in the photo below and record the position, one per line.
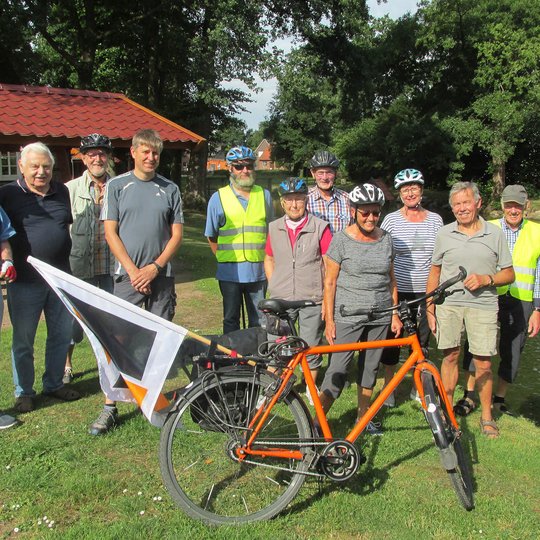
(340, 460)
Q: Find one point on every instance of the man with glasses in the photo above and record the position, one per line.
(236, 227)
(324, 200)
(90, 258)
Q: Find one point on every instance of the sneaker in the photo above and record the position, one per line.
(68, 376)
(414, 395)
(390, 400)
(107, 419)
(24, 404)
(374, 428)
(7, 421)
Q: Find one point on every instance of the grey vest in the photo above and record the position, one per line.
(298, 271)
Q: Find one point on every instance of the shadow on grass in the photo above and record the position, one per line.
(530, 408)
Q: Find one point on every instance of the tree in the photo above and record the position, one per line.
(506, 87)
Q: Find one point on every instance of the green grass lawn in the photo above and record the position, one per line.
(110, 486)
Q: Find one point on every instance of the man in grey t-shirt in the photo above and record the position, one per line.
(481, 248)
(142, 214)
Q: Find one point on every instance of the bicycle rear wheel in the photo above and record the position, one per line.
(448, 442)
(199, 466)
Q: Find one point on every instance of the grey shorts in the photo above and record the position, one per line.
(368, 360)
(161, 301)
(310, 329)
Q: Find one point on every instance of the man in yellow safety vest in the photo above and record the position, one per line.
(519, 302)
(236, 228)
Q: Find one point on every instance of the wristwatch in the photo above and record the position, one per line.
(491, 282)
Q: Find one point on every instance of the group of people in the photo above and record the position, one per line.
(120, 234)
(329, 248)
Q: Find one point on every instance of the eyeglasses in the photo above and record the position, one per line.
(291, 199)
(94, 155)
(367, 213)
(410, 191)
(242, 166)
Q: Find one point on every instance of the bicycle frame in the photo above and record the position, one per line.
(415, 360)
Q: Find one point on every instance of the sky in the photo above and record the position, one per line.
(258, 109)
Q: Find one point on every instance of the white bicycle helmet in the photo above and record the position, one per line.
(408, 176)
(366, 194)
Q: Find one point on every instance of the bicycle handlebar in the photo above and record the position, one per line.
(435, 293)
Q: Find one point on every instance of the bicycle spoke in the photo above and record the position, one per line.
(199, 464)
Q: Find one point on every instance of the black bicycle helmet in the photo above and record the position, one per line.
(95, 140)
(366, 194)
(292, 185)
(323, 158)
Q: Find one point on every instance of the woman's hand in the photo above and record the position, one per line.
(330, 332)
(397, 325)
(432, 321)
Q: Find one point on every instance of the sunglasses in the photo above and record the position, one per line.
(239, 167)
(367, 213)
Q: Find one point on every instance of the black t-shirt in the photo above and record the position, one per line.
(42, 225)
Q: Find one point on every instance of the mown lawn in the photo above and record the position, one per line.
(110, 486)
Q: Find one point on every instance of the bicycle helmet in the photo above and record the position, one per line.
(95, 140)
(323, 158)
(408, 176)
(292, 185)
(366, 194)
(239, 153)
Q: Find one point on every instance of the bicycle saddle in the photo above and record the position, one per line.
(278, 306)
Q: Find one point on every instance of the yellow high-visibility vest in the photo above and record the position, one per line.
(243, 237)
(524, 257)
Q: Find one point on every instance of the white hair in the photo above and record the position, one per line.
(38, 148)
(462, 186)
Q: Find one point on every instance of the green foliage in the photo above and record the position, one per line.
(452, 90)
(395, 138)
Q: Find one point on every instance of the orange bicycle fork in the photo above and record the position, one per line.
(415, 360)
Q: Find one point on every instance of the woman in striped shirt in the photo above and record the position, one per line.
(413, 230)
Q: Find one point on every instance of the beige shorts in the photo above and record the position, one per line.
(481, 327)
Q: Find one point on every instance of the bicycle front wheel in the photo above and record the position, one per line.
(197, 451)
(447, 439)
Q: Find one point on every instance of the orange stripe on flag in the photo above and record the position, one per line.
(138, 391)
(161, 403)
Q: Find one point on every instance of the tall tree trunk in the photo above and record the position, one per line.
(499, 178)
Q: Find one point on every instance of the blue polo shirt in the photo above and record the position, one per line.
(242, 272)
(42, 226)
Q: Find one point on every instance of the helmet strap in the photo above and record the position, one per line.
(361, 229)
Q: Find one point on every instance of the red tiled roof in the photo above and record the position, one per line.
(64, 113)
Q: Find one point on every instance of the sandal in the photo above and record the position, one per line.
(489, 428)
(464, 406)
(64, 393)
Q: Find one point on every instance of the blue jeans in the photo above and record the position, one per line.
(26, 302)
(233, 293)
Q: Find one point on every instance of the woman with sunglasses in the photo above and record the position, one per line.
(359, 274)
(413, 230)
